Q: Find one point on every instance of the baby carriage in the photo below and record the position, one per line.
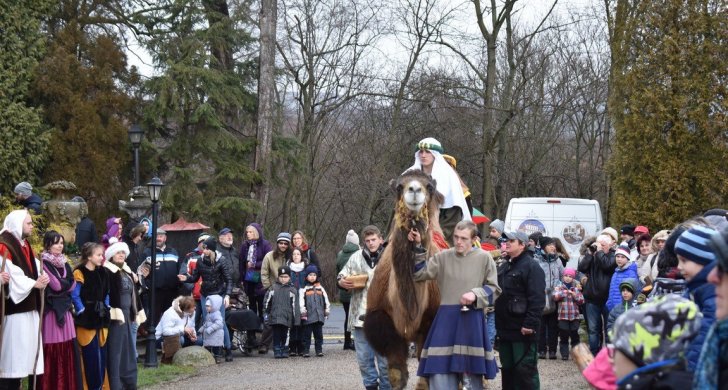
(242, 323)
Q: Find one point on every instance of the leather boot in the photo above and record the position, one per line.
(228, 355)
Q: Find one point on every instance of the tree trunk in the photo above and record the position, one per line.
(266, 102)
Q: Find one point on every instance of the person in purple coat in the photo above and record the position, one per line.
(251, 257)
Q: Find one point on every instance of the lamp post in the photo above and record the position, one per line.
(135, 137)
(155, 189)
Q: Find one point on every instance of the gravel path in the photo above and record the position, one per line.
(337, 370)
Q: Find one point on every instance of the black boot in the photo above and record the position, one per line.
(348, 341)
(374, 387)
(228, 355)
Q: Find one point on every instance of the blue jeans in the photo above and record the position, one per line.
(366, 357)
(490, 327)
(596, 320)
(450, 381)
(203, 299)
(134, 329)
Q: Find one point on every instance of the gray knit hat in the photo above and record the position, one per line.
(498, 225)
(24, 188)
(352, 237)
(284, 236)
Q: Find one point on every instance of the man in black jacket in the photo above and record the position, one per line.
(214, 269)
(598, 265)
(518, 314)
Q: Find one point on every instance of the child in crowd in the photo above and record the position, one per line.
(626, 269)
(650, 342)
(696, 259)
(297, 264)
(176, 328)
(91, 303)
(282, 310)
(213, 336)
(628, 288)
(315, 309)
(568, 295)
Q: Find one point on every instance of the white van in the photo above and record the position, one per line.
(571, 220)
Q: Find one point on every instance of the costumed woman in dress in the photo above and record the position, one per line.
(62, 365)
(125, 312)
(90, 299)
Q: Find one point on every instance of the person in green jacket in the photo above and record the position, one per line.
(350, 246)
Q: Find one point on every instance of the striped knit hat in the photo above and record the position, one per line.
(430, 144)
(623, 250)
(694, 245)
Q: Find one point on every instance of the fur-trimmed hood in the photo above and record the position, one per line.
(175, 306)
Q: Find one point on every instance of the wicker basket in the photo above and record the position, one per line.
(360, 281)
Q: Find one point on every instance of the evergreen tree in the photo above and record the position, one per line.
(83, 83)
(669, 78)
(23, 136)
(202, 108)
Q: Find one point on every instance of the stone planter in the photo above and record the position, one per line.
(62, 213)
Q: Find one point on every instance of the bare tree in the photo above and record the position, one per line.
(266, 102)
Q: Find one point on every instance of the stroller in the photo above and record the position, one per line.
(665, 286)
(242, 323)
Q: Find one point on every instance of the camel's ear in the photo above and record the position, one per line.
(432, 186)
(395, 186)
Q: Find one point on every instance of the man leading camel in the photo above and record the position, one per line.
(457, 344)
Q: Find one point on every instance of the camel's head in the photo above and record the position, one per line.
(414, 195)
(416, 192)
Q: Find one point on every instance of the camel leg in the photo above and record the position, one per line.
(397, 363)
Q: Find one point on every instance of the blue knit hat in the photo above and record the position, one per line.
(311, 269)
(694, 245)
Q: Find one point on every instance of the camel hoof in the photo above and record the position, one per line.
(397, 378)
(422, 384)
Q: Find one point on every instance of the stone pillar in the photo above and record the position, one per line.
(139, 204)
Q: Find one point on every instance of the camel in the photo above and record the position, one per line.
(400, 311)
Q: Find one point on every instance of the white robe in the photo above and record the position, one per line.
(20, 331)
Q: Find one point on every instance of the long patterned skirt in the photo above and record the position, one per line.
(458, 343)
(93, 357)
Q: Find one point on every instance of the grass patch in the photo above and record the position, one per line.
(164, 373)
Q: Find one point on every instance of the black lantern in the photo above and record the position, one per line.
(135, 137)
(150, 360)
(155, 189)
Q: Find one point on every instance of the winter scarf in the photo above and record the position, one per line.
(372, 258)
(57, 261)
(251, 251)
(715, 347)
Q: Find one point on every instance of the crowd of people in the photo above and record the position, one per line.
(654, 307)
(88, 313)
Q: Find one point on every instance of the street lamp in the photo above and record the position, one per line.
(135, 137)
(150, 360)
